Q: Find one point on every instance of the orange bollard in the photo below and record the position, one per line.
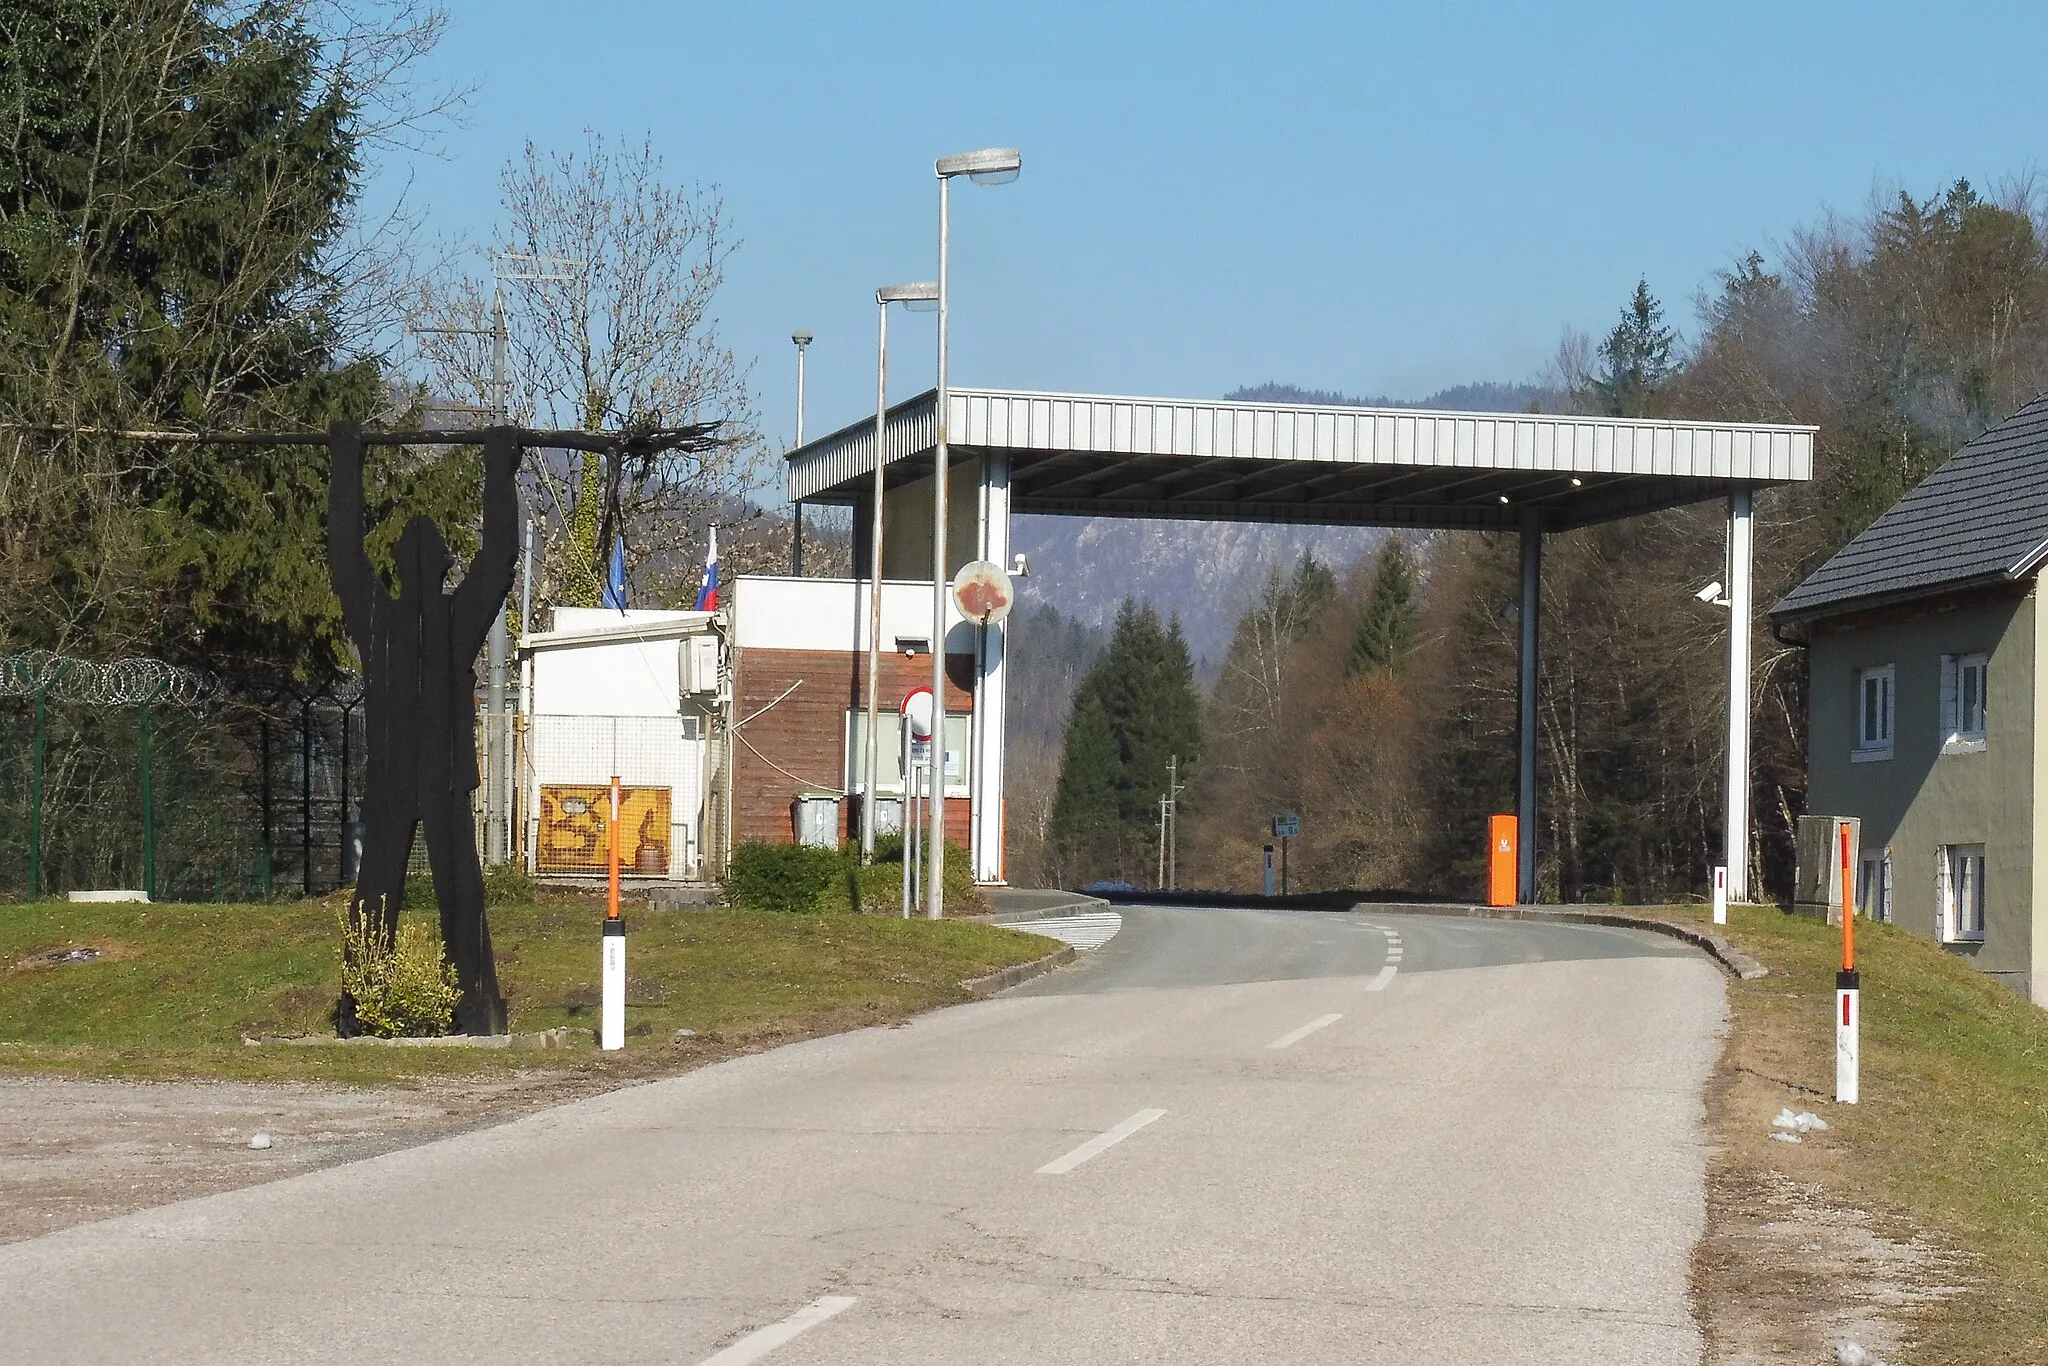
(1501, 836)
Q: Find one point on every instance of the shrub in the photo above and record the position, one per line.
(878, 888)
(403, 991)
(780, 877)
(796, 878)
(508, 885)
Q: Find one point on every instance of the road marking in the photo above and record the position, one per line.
(1379, 983)
(762, 1341)
(1084, 932)
(1320, 1022)
(1095, 1146)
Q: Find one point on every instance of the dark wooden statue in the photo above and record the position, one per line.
(419, 650)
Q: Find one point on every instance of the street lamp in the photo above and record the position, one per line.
(918, 298)
(989, 166)
(796, 509)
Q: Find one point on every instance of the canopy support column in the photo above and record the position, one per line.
(1525, 751)
(1740, 555)
(986, 773)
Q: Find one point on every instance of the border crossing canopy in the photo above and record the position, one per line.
(1094, 455)
(1099, 456)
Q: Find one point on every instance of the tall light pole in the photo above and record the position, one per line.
(989, 166)
(917, 298)
(796, 510)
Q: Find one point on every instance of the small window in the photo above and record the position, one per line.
(1874, 713)
(1965, 708)
(889, 760)
(1962, 893)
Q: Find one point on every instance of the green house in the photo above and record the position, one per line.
(1927, 663)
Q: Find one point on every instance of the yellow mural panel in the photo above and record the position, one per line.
(573, 836)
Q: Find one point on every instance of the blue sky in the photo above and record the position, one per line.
(1368, 198)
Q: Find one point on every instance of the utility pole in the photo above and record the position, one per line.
(497, 645)
(1169, 826)
(498, 775)
(498, 648)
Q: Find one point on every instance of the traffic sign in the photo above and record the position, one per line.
(917, 711)
(983, 593)
(1286, 825)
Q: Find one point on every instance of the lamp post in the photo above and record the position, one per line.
(796, 510)
(917, 298)
(989, 166)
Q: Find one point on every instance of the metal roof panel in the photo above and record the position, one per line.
(1983, 516)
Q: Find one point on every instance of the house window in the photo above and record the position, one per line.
(1873, 713)
(1962, 893)
(889, 762)
(1874, 886)
(1965, 681)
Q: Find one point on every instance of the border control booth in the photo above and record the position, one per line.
(1092, 455)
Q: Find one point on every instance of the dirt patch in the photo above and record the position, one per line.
(56, 956)
(72, 1151)
(1785, 1273)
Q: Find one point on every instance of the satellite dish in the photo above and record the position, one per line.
(917, 711)
(982, 592)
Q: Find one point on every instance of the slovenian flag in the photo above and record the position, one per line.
(707, 591)
(615, 577)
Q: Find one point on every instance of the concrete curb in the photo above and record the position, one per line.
(1003, 978)
(1733, 960)
(1022, 917)
(560, 1037)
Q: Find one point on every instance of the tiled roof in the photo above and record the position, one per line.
(1980, 518)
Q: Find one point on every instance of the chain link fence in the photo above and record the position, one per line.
(135, 774)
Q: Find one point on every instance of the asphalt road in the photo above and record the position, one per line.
(1223, 1136)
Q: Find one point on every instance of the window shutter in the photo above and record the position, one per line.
(1951, 701)
(1943, 906)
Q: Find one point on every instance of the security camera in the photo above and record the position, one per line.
(1022, 568)
(1711, 594)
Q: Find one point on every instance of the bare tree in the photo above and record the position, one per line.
(610, 276)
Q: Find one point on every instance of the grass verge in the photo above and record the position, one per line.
(175, 989)
(1951, 1136)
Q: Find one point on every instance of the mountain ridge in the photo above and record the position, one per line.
(1206, 573)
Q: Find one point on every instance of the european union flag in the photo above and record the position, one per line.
(615, 577)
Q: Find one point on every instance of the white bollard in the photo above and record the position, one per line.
(1848, 1020)
(612, 1022)
(1720, 896)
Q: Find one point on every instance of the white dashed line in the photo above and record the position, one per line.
(1084, 932)
(762, 1341)
(1320, 1022)
(1095, 1146)
(1386, 974)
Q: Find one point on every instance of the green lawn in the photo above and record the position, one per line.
(1951, 1133)
(176, 988)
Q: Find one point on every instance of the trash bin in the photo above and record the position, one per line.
(888, 816)
(817, 819)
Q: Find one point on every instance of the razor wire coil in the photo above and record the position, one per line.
(117, 683)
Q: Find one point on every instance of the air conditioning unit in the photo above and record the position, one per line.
(700, 664)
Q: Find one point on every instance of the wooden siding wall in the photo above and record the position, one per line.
(805, 733)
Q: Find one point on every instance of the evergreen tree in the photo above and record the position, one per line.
(1134, 710)
(1636, 358)
(173, 206)
(1387, 625)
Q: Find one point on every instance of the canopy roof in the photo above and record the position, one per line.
(1097, 455)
